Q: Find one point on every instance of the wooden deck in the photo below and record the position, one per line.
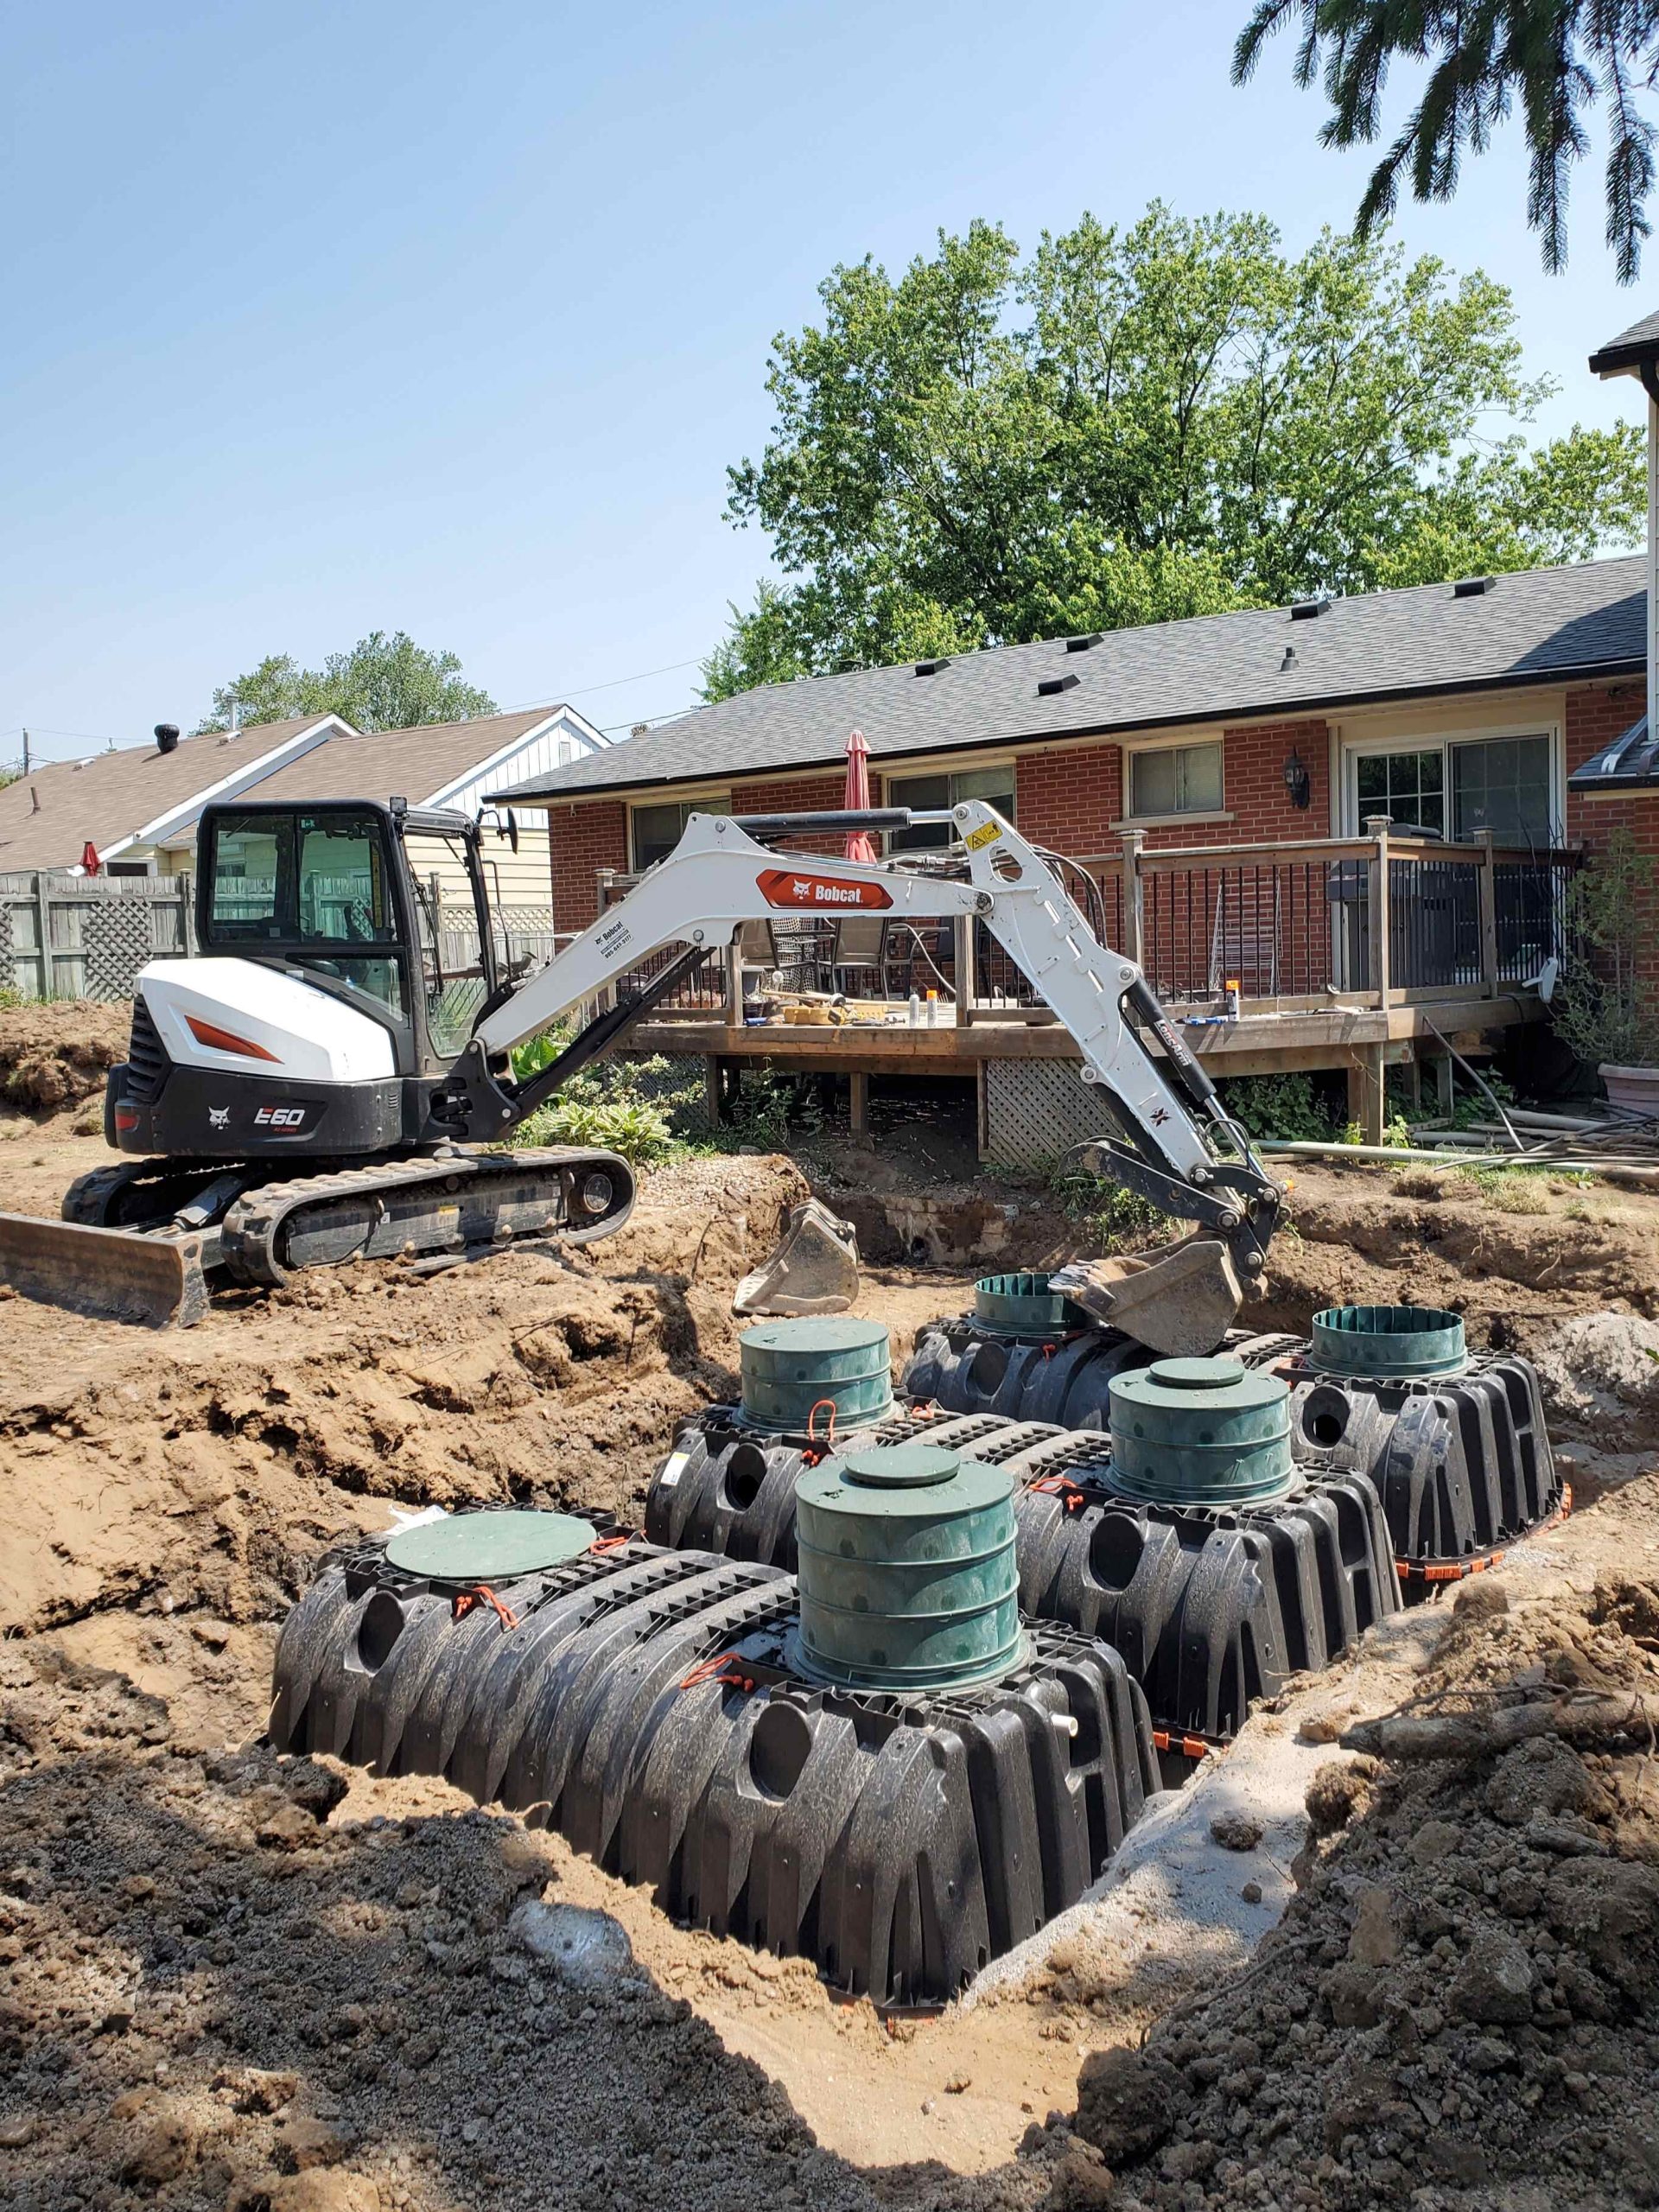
(1349, 954)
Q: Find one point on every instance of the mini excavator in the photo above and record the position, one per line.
(315, 1086)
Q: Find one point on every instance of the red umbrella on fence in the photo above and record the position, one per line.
(861, 845)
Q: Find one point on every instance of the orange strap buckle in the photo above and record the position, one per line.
(723, 1667)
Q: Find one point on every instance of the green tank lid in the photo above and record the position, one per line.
(1024, 1305)
(1200, 1432)
(468, 1547)
(1384, 1341)
(790, 1367)
(908, 1577)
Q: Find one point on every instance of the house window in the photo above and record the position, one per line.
(1453, 789)
(655, 831)
(926, 794)
(1175, 779)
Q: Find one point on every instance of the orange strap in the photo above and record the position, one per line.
(613, 1542)
(1072, 1500)
(468, 1601)
(722, 1669)
(814, 1451)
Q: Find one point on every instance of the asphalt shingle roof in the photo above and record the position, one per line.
(416, 762)
(1639, 343)
(1541, 625)
(49, 816)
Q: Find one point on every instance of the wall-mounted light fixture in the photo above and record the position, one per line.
(1297, 782)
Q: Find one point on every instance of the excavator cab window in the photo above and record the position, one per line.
(314, 887)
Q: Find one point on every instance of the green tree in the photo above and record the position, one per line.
(1552, 57)
(383, 683)
(1135, 425)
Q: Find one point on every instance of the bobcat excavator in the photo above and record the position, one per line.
(314, 1087)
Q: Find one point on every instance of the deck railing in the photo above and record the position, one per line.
(1375, 920)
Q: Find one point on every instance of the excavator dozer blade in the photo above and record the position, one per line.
(1180, 1300)
(113, 1274)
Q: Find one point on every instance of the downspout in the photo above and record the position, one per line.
(1649, 376)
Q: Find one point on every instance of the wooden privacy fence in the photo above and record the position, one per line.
(1375, 920)
(72, 936)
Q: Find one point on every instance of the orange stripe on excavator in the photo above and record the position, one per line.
(221, 1040)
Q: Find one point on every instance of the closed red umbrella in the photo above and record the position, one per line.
(861, 845)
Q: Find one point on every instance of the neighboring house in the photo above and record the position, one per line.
(138, 807)
(452, 764)
(129, 803)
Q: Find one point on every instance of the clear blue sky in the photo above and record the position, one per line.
(386, 313)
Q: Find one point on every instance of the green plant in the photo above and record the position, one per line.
(1603, 1008)
(639, 1130)
(1113, 1217)
(9, 996)
(1281, 1106)
(1395, 1134)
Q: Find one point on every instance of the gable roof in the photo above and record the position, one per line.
(1628, 350)
(49, 816)
(420, 764)
(1537, 626)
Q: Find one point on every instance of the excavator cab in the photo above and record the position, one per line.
(380, 904)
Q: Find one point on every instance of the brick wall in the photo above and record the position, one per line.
(1594, 714)
(582, 840)
(798, 795)
(1069, 797)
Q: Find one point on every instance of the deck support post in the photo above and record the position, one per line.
(713, 1089)
(1446, 1090)
(1366, 1078)
(858, 1103)
(967, 978)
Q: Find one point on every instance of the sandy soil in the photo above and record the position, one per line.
(240, 1982)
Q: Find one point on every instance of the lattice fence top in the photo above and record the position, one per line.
(116, 943)
(1036, 1110)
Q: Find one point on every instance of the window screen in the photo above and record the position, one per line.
(1176, 779)
(926, 794)
(657, 829)
(1502, 784)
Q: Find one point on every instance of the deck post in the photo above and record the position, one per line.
(1366, 1078)
(967, 978)
(1487, 883)
(712, 1089)
(1376, 826)
(735, 982)
(858, 1103)
(1134, 897)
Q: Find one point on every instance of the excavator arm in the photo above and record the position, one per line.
(1169, 1139)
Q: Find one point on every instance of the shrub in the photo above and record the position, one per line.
(1603, 1009)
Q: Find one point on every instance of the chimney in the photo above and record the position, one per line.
(167, 737)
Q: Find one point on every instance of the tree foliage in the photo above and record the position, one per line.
(383, 683)
(1135, 425)
(1553, 58)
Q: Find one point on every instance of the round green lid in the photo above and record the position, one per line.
(894, 1481)
(814, 1333)
(898, 1466)
(489, 1547)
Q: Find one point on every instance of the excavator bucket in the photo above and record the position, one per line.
(814, 1270)
(1180, 1300)
(113, 1274)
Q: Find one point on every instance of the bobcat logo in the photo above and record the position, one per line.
(219, 1117)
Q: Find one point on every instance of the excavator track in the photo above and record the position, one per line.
(128, 1248)
(410, 1209)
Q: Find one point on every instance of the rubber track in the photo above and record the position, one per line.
(253, 1226)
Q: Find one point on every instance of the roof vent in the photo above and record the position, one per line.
(932, 667)
(1289, 660)
(1082, 644)
(1472, 587)
(1305, 610)
(1051, 684)
(167, 737)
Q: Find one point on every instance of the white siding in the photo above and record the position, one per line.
(562, 740)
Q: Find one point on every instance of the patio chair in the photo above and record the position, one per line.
(859, 961)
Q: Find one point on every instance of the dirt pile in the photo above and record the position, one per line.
(215, 1999)
(208, 1477)
(54, 1055)
(1355, 1238)
(1463, 1995)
